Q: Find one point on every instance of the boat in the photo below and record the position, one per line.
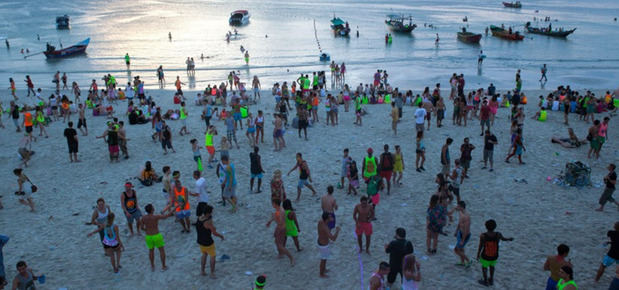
(398, 23)
(340, 27)
(78, 48)
(469, 37)
(62, 22)
(548, 31)
(325, 57)
(504, 33)
(239, 17)
(516, 4)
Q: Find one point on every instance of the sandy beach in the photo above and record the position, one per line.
(538, 214)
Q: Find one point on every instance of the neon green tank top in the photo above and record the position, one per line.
(370, 167)
(561, 284)
(291, 227)
(183, 115)
(40, 117)
(208, 140)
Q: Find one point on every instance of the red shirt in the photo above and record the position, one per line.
(485, 112)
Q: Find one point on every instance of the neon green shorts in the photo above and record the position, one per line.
(486, 263)
(154, 241)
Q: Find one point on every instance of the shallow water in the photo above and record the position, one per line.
(586, 59)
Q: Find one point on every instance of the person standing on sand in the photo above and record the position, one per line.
(229, 182)
(518, 147)
(205, 231)
(484, 116)
(304, 175)
(129, 204)
(246, 56)
(610, 181)
(292, 225)
(612, 257)
(567, 279)
(369, 166)
(122, 134)
(160, 76)
(81, 120)
(377, 280)
(111, 241)
(255, 170)
(24, 280)
(183, 118)
(208, 143)
(420, 117)
(445, 158)
(488, 251)
(324, 237)
(363, 215)
(602, 135)
(397, 249)
(386, 166)
(346, 161)
(466, 150)
(127, 60)
(592, 137)
(181, 203)
(554, 264)
(435, 221)
(25, 195)
(72, 142)
(328, 205)
(280, 230)
(256, 87)
(30, 86)
(153, 238)
(489, 141)
(3, 240)
(200, 189)
(394, 119)
(166, 138)
(463, 233)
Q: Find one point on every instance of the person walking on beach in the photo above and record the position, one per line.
(466, 150)
(64, 81)
(229, 182)
(420, 117)
(205, 231)
(394, 119)
(363, 215)
(129, 204)
(111, 241)
(30, 86)
(397, 249)
(246, 56)
(304, 175)
(489, 141)
(3, 240)
(463, 233)
(81, 120)
(377, 280)
(484, 116)
(72, 142)
(12, 88)
(183, 117)
(610, 182)
(166, 138)
(420, 151)
(25, 194)
(543, 70)
(160, 76)
(153, 238)
(328, 205)
(99, 216)
(554, 264)
(488, 251)
(14, 111)
(386, 166)
(181, 203)
(127, 60)
(518, 147)
(369, 166)
(122, 134)
(445, 158)
(324, 238)
(612, 256)
(280, 230)
(208, 143)
(292, 225)
(256, 170)
(480, 58)
(435, 221)
(255, 84)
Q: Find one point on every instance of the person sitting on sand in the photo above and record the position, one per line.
(571, 142)
(148, 175)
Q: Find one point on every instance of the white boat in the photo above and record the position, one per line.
(239, 17)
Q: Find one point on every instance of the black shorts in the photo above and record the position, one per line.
(28, 129)
(73, 146)
(393, 273)
(455, 190)
(166, 143)
(81, 122)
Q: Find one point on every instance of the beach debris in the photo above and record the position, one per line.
(522, 180)
(76, 213)
(249, 273)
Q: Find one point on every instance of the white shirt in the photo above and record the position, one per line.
(201, 189)
(420, 115)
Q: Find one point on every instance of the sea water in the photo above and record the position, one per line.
(282, 42)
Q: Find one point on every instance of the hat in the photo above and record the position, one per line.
(370, 150)
(128, 184)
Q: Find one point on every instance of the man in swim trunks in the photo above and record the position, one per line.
(154, 239)
(329, 205)
(280, 229)
(612, 256)
(488, 251)
(363, 214)
(611, 182)
(129, 203)
(463, 233)
(324, 236)
(304, 175)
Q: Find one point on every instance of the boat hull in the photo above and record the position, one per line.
(398, 27)
(77, 49)
(469, 37)
(555, 33)
(512, 5)
(503, 33)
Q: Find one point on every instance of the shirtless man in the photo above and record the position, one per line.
(463, 233)
(363, 215)
(427, 104)
(278, 133)
(304, 175)
(256, 86)
(324, 236)
(280, 230)
(81, 121)
(329, 205)
(554, 264)
(154, 239)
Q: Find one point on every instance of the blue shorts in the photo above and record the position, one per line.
(251, 130)
(136, 215)
(302, 182)
(461, 243)
(551, 284)
(608, 261)
(237, 116)
(259, 175)
(183, 214)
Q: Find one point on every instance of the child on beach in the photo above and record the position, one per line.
(25, 195)
(488, 251)
(345, 167)
(353, 177)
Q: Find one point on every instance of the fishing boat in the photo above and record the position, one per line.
(78, 48)
(340, 27)
(548, 31)
(505, 34)
(399, 23)
(469, 37)
(516, 4)
(62, 22)
(239, 17)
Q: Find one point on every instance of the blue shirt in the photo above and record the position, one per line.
(3, 241)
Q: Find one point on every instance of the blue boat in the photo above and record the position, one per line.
(78, 48)
(339, 26)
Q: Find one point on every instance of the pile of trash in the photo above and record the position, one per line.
(575, 174)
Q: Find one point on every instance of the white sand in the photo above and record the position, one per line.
(53, 240)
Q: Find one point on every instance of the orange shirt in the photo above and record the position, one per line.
(181, 198)
(27, 119)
